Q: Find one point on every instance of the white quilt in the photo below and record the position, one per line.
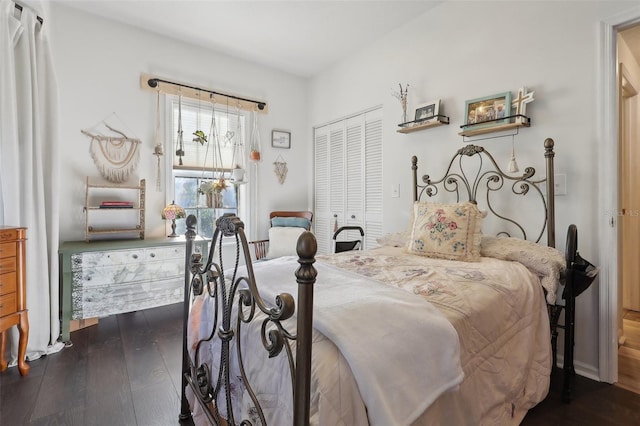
(496, 307)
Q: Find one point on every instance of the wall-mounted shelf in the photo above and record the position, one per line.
(497, 125)
(414, 126)
(136, 228)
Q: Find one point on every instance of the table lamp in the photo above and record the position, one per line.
(173, 212)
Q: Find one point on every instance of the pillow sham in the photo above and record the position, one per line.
(290, 222)
(446, 231)
(283, 241)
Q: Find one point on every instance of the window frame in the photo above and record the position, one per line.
(245, 197)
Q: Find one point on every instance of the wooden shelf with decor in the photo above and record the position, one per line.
(498, 125)
(425, 123)
(116, 206)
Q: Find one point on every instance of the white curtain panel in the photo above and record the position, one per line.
(29, 168)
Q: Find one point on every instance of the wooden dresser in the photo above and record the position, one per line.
(13, 299)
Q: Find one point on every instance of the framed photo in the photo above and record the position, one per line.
(280, 139)
(427, 111)
(488, 111)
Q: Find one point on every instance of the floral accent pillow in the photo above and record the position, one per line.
(446, 231)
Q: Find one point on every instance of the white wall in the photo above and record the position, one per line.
(98, 65)
(464, 50)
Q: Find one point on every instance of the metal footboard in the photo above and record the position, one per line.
(237, 304)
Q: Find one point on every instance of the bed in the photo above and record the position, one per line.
(407, 333)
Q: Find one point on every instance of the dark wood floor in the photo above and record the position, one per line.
(126, 371)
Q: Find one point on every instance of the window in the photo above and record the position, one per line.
(205, 163)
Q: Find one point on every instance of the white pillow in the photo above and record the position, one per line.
(283, 241)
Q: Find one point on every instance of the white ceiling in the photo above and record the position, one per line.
(301, 37)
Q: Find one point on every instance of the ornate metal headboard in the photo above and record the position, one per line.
(469, 176)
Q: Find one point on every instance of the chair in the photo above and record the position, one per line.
(283, 219)
(340, 246)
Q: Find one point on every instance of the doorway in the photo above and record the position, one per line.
(628, 321)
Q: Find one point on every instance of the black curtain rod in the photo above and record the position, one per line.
(19, 7)
(153, 82)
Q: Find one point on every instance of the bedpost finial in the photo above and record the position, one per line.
(191, 222)
(307, 245)
(549, 143)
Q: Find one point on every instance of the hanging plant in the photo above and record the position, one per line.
(200, 137)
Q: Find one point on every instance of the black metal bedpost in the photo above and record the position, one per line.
(306, 277)
(551, 188)
(190, 236)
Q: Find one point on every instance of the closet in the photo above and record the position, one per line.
(348, 178)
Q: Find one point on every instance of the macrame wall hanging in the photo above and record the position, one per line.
(116, 157)
(280, 168)
(157, 149)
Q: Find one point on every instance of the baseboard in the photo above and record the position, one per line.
(585, 370)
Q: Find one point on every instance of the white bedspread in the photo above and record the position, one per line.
(367, 321)
(496, 306)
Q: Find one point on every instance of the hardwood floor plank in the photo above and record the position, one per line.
(66, 376)
(157, 404)
(18, 395)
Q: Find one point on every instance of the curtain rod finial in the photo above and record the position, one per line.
(153, 82)
(261, 106)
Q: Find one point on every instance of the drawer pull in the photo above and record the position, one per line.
(152, 255)
(135, 256)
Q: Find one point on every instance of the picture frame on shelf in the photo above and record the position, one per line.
(487, 111)
(427, 111)
(280, 139)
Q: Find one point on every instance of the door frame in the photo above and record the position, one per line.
(607, 122)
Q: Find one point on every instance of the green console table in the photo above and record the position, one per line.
(101, 278)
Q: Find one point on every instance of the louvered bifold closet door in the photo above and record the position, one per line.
(354, 177)
(372, 177)
(348, 178)
(322, 224)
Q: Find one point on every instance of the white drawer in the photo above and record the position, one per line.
(164, 253)
(94, 259)
(89, 302)
(128, 273)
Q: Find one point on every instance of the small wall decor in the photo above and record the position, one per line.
(116, 157)
(427, 111)
(402, 97)
(519, 104)
(280, 139)
(157, 149)
(488, 111)
(280, 169)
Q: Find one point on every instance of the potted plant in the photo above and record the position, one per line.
(238, 173)
(212, 190)
(254, 155)
(200, 137)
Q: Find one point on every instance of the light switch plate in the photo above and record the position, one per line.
(395, 190)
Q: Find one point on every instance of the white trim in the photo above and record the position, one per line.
(346, 117)
(582, 369)
(608, 153)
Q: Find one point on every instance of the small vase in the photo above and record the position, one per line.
(214, 200)
(217, 200)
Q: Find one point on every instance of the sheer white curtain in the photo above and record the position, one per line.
(29, 167)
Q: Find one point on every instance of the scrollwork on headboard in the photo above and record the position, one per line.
(473, 172)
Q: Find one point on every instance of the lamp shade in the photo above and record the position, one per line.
(173, 211)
